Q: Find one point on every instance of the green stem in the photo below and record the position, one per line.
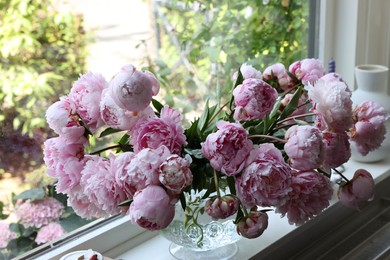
(216, 114)
(294, 117)
(216, 184)
(268, 137)
(342, 175)
(105, 149)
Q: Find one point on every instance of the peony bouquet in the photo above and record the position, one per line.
(272, 146)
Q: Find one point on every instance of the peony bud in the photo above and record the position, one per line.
(175, 173)
(253, 225)
(221, 207)
(358, 190)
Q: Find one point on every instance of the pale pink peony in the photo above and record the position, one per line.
(307, 70)
(6, 234)
(100, 186)
(63, 119)
(86, 94)
(369, 129)
(253, 225)
(358, 190)
(227, 148)
(152, 208)
(121, 174)
(333, 77)
(304, 147)
(221, 207)
(332, 100)
(266, 178)
(310, 195)
(132, 89)
(82, 206)
(253, 99)
(337, 149)
(166, 130)
(64, 162)
(175, 173)
(38, 213)
(278, 74)
(248, 72)
(142, 169)
(49, 233)
(119, 118)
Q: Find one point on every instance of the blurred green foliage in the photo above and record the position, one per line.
(201, 43)
(42, 51)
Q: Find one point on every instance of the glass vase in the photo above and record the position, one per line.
(205, 239)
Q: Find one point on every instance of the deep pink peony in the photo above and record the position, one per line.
(132, 89)
(358, 190)
(221, 207)
(248, 72)
(152, 208)
(311, 192)
(49, 233)
(253, 225)
(85, 94)
(119, 118)
(277, 73)
(6, 234)
(266, 178)
(337, 149)
(369, 129)
(63, 119)
(227, 148)
(175, 173)
(38, 213)
(166, 130)
(307, 70)
(332, 101)
(304, 147)
(64, 162)
(99, 183)
(253, 99)
(143, 169)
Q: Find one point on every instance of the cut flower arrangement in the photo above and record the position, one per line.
(272, 146)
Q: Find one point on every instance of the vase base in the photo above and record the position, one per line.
(224, 252)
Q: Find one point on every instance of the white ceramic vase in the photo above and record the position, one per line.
(372, 85)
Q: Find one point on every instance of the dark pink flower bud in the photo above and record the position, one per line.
(358, 190)
(253, 225)
(221, 207)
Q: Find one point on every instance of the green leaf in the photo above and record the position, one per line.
(109, 131)
(73, 222)
(197, 153)
(292, 105)
(204, 117)
(157, 105)
(2, 215)
(125, 203)
(32, 194)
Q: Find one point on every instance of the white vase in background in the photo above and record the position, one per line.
(371, 82)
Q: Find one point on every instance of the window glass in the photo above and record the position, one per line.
(193, 47)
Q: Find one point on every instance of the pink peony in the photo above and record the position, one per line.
(304, 147)
(82, 206)
(63, 119)
(166, 130)
(253, 225)
(334, 77)
(307, 70)
(369, 129)
(142, 169)
(311, 192)
(119, 118)
(358, 190)
(64, 162)
(248, 72)
(301, 109)
(99, 184)
(337, 149)
(253, 99)
(332, 100)
(277, 73)
(132, 89)
(266, 178)
(175, 173)
(6, 234)
(152, 208)
(227, 148)
(85, 94)
(221, 207)
(38, 213)
(49, 233)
